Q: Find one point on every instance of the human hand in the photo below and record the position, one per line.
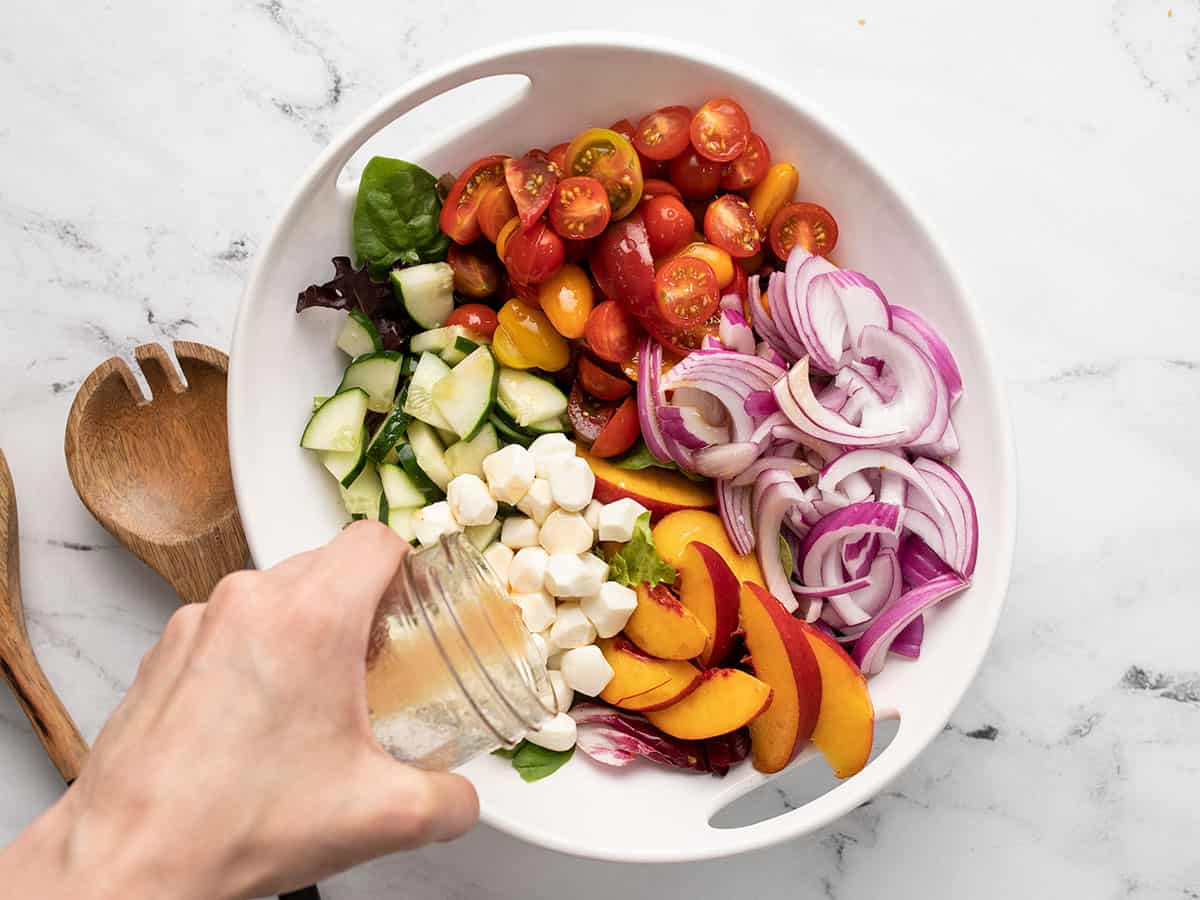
(241, 762)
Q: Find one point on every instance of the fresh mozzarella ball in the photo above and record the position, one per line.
(528, 570)
(596, 572)
(509, 473)
(548, 451)
(618, 518)
(470, 500)
(566, 532)
(538, 500)
(558, 734)
(537, 610)
(609, 608)
(572, 483)
(591, 515)
(563, 695)
(500, 558)
(565, 575)
(433, 521)
(586, 670)
(518, 532)
(571, 627)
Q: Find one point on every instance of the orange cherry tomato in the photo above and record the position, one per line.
(532, 255)
(460, 212)
(720, 261)
(475, 275)
(685, 291)
(730, 224)
(669, 225)
(805, 224)
(620, 433)
(610, 159)
(748, 169)
(476, 318)
(695, 176)
(580, 208)
(531, 180)
(770, 195)
(611, 332)
(664, 133)
(532, 335)
(720, 130)
(496, 207)
(506, 232)
(566, 299)
(601, 384)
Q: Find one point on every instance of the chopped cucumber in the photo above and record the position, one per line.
(399, 488)
(400, 520)
(345, 465)
(437, 340)
(383, 508)
(431, 457)
(376, 373)
(465, 396)
(317, 401)
(427, 292)
(390, 433)
(362, 497)
(508, 432)
(359, 335)
(338, 423)
(419, 403)
(459, 350)
(447, 436)
(547, 426)
(482, 536)
(466, 457)
(408, 366)
(407, 458)
(527, 398)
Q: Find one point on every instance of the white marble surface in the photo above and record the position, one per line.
(145, 148)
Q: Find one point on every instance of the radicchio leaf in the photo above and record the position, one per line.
(616, 738)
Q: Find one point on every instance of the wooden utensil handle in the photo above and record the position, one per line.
(55, 728)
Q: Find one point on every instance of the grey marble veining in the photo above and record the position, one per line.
(144, 152)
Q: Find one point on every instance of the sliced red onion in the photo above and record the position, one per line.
(917, 329)
(941, 411)
(890, 462)
(805, 412)
(884, 584)
(855, 487)
(761, 403)
(734, 507)
(892, 488)
(735, 331)
(821, 593)
(839, 305)
(766, 351)
(761, 318)
(823, 450)
(908, 642)
(822, 322)
(915, 405)
(725, 460)
(686, 425)
(849, 523)
(732, 300)
(797, 468)
(956, 499)
(921, 523)
(919, 563)
(881, 383)
(832, 574)
(784, 315)
(834, 398)
(775, 492)
(801, 268)
(650, 398)
(730, 378)
(707, 405)
(871, 649)
(711, 342)
(857, 556)
(946, 445)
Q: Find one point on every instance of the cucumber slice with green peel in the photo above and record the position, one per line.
(419, 402)
(483, 536)
(407, 460)
(377, 374)
(389, 434)
(359, 335)
(426, 291)
(399, 488)
(466, 457)
(466, 395)
(362, 497)
(383, 508)
(458, 351)
(547, 426)
(345, 466)
(437, 340)
(408, 366)
(317, 401)
(507, 432)
(430, 454)
(400, 520)
(447, 436)
(337, 423)
(527, 398)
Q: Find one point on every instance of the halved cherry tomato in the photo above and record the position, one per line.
(805, 224)
(558, 155)
(620, 433)
(506, 232)
(580, 208)
(669, 225)
(624, 128)
(694, 175)
(587, 417)
(720, 261)
(776, 189)
(682, 341)
(496, 207)
(460, 213)
(748, 169)
(533, 335)
(740, 284)
(656, 187)
(720, 130)
(541, 154)
(566, 299)
(729, 223)
(506, 352)
(531, 181)
(578, 251)
(601, 384)
(475, 317)
(475, 274)
(663, 134)
(611, 333)
(533, 254)
(623, 266)
(610, 159)
(685, 291)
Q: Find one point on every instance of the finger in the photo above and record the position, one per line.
(355, 568)
(411, 807)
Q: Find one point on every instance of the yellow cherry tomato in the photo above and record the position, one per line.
(721, 262)
(566, 299)
(770, 195)
(504, 234)
(533, 335)
(505, 350)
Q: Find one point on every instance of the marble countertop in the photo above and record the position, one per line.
(143, 155)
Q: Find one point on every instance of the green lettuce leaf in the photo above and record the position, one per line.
(638, 560)
(640, 457)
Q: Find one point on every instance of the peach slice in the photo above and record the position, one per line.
(659, 490)
(781, 657)
(641, 682)
(708, 587)
(846, 723)
(662, 626)
(725, 700)
(673, 534)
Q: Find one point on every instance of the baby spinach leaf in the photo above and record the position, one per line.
(534, 763)
(396, 217)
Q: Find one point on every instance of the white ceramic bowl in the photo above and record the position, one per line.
(281, 360)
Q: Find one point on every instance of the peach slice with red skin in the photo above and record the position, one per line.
(708, 587)
(845, 726)
(659, 490)
(783, 658)
(673, 534)
(641, 682)
(662, 626)
(724, 701)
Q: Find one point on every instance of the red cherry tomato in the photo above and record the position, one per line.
(558, 156)
(460, 213)
(475, 317)
(655, 187)
(748, 169)
(476, 274)
(740, 283)
(533, 255)
(729, 223)
(623, 265)
(579, 251)
(587, 417)
(623, 127)
(694, 175)
(539, 153)
(611, 333)
(531, 181)
(663, 134)
(686, 292)
(620, 433)
(601, 384)
(720, 130)
(580, 208)
(669, 225)
(807, 224)
(682, 341)
(496, 207)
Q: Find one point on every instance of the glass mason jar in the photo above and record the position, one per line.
(451, 671)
